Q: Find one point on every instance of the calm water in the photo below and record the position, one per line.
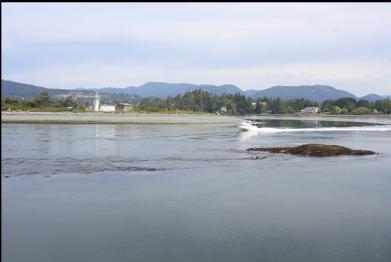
(192, 193)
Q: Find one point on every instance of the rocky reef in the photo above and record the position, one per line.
(319, 150)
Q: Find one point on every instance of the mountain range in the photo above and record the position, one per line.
(316, 93)
(163, 90)
(21, 90)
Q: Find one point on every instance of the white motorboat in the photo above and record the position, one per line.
(247, 125)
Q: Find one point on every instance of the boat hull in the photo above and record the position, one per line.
(247, 127)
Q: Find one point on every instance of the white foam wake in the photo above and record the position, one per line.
(325, 129)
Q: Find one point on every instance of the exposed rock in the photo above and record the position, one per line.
(314, 150)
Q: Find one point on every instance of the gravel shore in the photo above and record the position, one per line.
(113, 118)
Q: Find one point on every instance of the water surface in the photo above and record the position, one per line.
(193, 193)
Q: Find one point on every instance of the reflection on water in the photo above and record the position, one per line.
(193, 193)
(308, 123)
(247, 135)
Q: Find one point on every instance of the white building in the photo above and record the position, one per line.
(107, 108)
(223, 109)
(311, 109)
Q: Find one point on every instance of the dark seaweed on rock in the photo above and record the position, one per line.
(314, 150)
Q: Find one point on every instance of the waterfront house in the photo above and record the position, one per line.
(123, 107)
(311, 109)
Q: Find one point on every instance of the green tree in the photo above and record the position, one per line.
(43, 100)
(383, 106)
(336, 110)
(363, 103)
(347, 103)
(278, 106)
(258, 106)
(68, 102)
(362, 111)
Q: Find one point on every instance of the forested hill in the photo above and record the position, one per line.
(20, 90)
(163, 90)
(316, 93)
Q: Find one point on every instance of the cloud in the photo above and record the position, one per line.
(253, 45)
(217, 26)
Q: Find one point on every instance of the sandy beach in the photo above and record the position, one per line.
(113, 118)
(155, 118)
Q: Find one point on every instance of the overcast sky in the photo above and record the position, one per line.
(251, 45)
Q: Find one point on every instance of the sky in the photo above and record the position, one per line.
(250, 45)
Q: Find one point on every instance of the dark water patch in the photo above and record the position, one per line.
(55, 166)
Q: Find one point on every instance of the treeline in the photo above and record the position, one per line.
(43, 102)
(202, 101)
(350, 105)
(199, 101)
